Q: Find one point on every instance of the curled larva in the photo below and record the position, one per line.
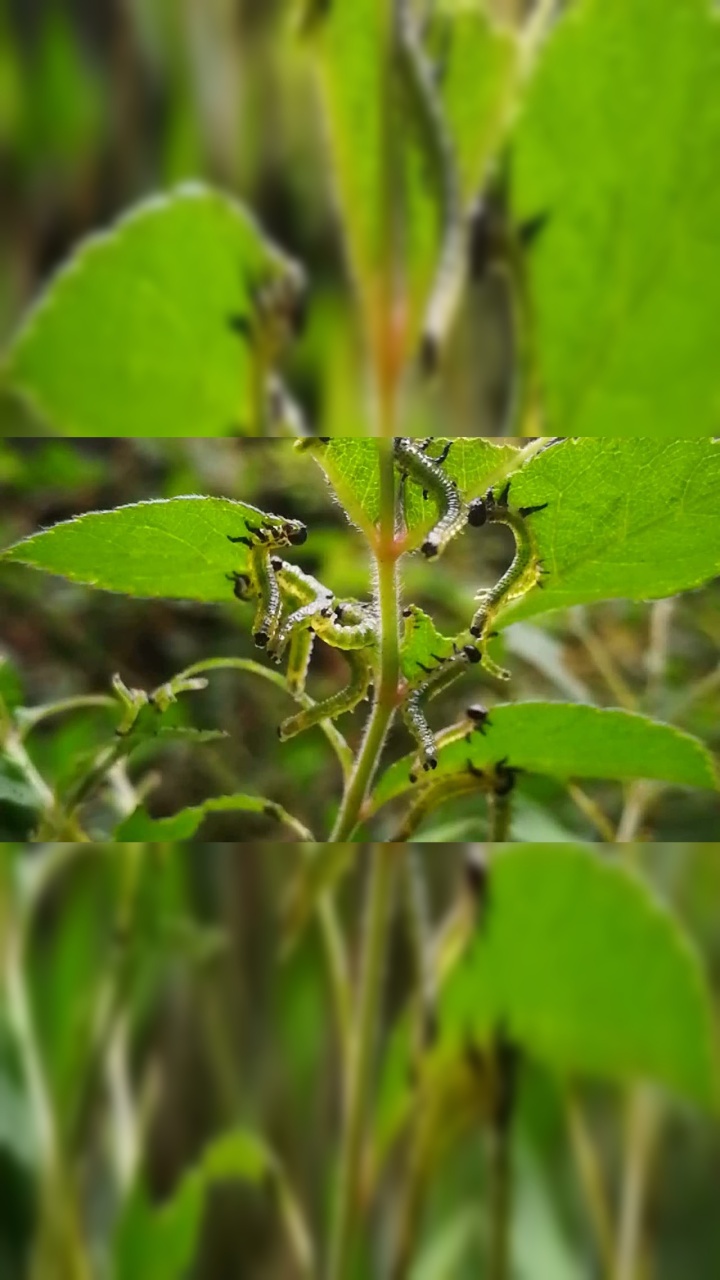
(413, 713)
(492, 509)
(414, 461)
(338, 704)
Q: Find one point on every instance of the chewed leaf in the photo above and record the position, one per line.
(175, 548)
(564, 740)
(185, 824)
(422, 646)
(146, 331)
(631, 518)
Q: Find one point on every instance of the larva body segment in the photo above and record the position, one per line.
(413, 713)
(349, 625)
(525, 567)
(413, 460)
(299, 655)
(338, 704)
(301, 589)
(265, 585)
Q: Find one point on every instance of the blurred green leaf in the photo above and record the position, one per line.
(16, 788)
(580, 965)
(135, 335)
(637, 519)
(17, 1124)
(63, 116)
(175, 548)
(352, 47)
(478, 72)
(566, 740)
(617, 147)
(159, 1244)
(11, 690)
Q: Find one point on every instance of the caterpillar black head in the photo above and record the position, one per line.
(480, 717)
(472, 654)
(477, 513)
(295, 532)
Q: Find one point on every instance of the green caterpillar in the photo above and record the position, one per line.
(361, 675)
(351, 627)
(348, 625)
(489, 510)
(260, 582)
(413, 460)
(299, 590)
(413, 714)
(313, 611)
(310, 597)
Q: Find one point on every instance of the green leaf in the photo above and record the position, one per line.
(159, 1244)
(352, 46)
(185, 824)
(636, 519)
(479, 69)
(134, 337)
(565, 740)
(422, 645)
(579, 964)
(625, 275)
(16, 788)
(379, 141)
(352, 469)
(175, 548)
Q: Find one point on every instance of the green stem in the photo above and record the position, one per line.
(385, 703)
(379, 894)
(58, 1248)
(500, 1205)
(500, 814)
(501, 1174)
(333, 736)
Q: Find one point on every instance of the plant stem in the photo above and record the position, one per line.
(507, 1063)
(641, 1132)
(334, 737)
(500, 814)
(386, 553)
(591, 1178)
(500, 1204)
(377, 916)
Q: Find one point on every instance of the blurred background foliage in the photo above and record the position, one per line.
(218, 1021)
(102, 105)
(59, 640)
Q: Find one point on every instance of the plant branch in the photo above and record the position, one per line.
(385, 704)
(591, 1178)
(641, 1132)
(334, 737)
(376, 927)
